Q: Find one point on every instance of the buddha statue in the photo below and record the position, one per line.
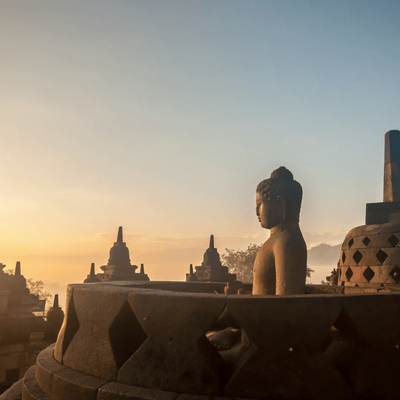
(281, 263)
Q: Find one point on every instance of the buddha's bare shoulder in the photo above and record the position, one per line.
(288, 239)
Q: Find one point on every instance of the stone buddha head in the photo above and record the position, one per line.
(278, 199)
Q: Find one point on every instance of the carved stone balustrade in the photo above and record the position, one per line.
(147, 340)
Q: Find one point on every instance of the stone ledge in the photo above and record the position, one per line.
(113, 391)
(79, 386)
(68, 384)
(150, 394)
(118, 391)
(187, 396)
(46, 367)
(14, 392)
(30, 374)
(31, 391)
(30, 388)
(73, 385)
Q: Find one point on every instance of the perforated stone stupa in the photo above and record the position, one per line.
(211, 269)
(119, 267)
(143, 341)
(370, 254)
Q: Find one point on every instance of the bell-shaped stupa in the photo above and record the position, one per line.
(54, 319)
(119, 267)
(92, 277)
(211, 269)
(119, 253)
(370, 255)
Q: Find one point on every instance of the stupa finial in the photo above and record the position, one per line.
(391, 181)
(55, 302)
(211, 269)
(142, 268)
(211, 242)
(92, 272)
(119, 238)
(18, 269)
(119, 267)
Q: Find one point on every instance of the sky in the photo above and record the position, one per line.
(162, 116)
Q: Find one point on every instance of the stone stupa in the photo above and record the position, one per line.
(370, 255)
(119, 267)
(211, 269)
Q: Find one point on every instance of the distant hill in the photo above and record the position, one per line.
(324, 255)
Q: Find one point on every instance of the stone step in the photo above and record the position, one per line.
(30, 388)
(46, 367)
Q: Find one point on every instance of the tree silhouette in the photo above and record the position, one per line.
(241, 262)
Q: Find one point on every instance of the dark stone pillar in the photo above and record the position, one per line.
(391, 185)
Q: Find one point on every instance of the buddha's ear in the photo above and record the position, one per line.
(283, 207)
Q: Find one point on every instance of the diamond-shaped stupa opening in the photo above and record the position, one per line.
(226, 337)
(366, 241)
(381, 256)
(395, 274)
(351, 242)
(326, 342)
(345, 344)
(393, 240)
(226, 334)
(349, 274)
(72, 325)
(126, 335)
(368, 274)
(357, 256)
(343, 257)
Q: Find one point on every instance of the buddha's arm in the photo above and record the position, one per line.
(290, 266)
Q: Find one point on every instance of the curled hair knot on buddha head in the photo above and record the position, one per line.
(281, 183)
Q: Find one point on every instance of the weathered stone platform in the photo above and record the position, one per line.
(146, 340)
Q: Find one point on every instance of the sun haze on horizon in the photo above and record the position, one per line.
(162, 116)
